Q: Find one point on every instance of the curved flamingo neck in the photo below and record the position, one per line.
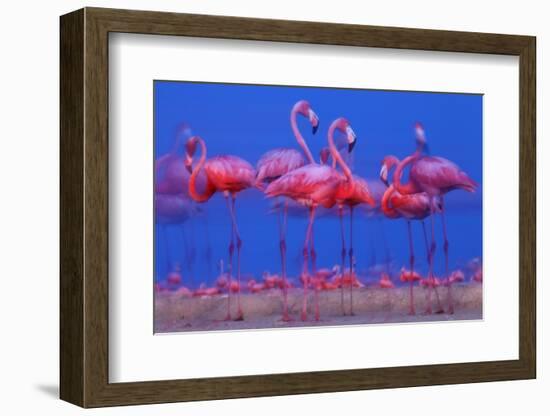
(193, 180)
(385, 205)
(298, 135)
(336, 157)
(409, 187)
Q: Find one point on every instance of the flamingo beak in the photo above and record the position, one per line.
(188, 163)
(384, 174)
(352, 138)
(314, 120)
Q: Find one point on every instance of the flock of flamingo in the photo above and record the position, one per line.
(290, 176)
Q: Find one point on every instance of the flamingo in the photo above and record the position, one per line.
(171, 177)
(174, 277)
(478, 276)
(455, 277)
(278, 162)
(436, 176)
(173, 205)
(313, 185)
(350, 192)
(255, 287)
(227, 174)
(172, 210)
(385, 282)
(414, 206)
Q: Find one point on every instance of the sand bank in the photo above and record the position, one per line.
(177, 313)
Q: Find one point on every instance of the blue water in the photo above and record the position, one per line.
(248, 120)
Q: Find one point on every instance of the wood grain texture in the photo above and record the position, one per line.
(71, 100)
(84, 207)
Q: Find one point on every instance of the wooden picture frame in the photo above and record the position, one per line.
(84, 207)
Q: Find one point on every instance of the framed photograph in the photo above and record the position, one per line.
(256, 207)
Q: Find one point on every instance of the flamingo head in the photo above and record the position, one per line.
(344, 126)
(304, 108)
(387, 163)
(324, 155)
(190, 148)
(184, 130)
(420, 136)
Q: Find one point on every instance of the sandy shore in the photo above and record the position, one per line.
(176, 313)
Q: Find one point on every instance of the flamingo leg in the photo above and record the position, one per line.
(230, 263)
(192, 254)
(208, 250)
(343, 259)
(313, 253)
(240, 316)
(351, 260)
(305, 274)
(187, 256)
(314, 268)
(157, 252)
(439, 308)
(282, 245)
(446, 251)
(386, 248)
(411, 259)
(432, 254)
(166, 244)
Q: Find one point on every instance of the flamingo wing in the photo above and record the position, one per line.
(278, 162)
(174, 209)
(230, 173)
(413, 206)
(303, 183)
(362, 193)
(437, 175)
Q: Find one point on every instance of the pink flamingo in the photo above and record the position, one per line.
(411, 207)
(174, 277)
(385, 282)
(171, 177)
(255, 287)
(172, 203)
(350, 192)
(436, 176)
(478, 276)
(278, 162)
(230, 175)
(456, 276)
(430, 283)
(313, 185)
(173, 210)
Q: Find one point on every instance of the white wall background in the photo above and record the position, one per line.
(29, 205)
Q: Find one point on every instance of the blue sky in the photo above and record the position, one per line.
(248, 120)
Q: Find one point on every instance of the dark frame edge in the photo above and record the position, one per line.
(528, 208)
(71, 290)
